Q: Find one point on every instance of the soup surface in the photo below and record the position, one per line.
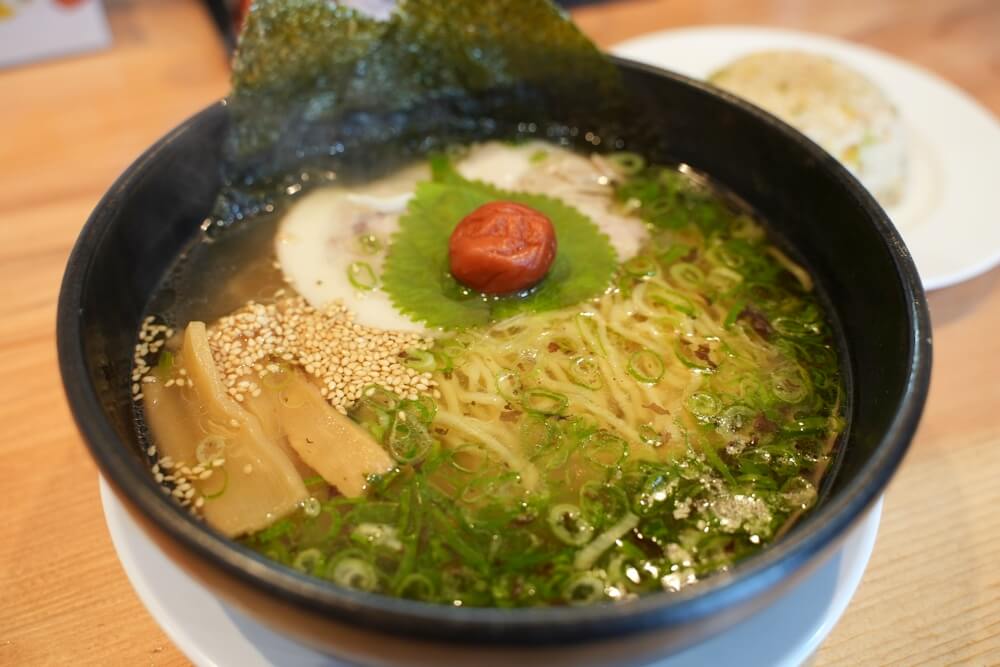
(660, 405)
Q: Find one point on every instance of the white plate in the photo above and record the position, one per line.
(947, 215)
(211, 634)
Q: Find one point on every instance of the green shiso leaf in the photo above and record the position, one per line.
(320, 87)
(416, 274)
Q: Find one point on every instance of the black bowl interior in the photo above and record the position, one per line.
(824, 216)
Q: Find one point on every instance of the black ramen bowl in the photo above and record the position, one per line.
(824, 217)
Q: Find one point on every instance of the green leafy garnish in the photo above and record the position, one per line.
(362, 276)
(416, 273)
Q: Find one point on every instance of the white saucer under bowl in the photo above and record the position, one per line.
(947, 213)
(211, 634)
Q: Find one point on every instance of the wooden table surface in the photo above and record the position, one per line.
(931, 594)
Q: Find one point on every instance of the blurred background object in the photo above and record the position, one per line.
(33, 30)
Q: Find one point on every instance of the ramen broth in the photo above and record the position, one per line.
(527, 451)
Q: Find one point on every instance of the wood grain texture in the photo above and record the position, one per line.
(932, 592)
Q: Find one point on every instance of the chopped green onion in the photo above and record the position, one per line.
(586, 372)
(723, 279)
(275, 530)
(420, 360)
(687, 274)
(646, 366)
(666, 297)
(380, 397)
(722, 255)
(355, 573)
(361, 275)
(415, 586)
(373, 417)
(222, 487)
(584, 589)
(377, 534)
(736, 419)
(509, 385)
(702, 405)
(808, 425)
(569, 525)
(211, 448)
(789, 383)
(649, 436)
(544, 402)
(605, 449)
(641, 266)
(603, 502)
(408, 440)
(422, 409)
(628, 164)
(368, 244)
(324, 526)
(308, 561)
(689, 359)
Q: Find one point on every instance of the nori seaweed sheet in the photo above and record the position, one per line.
(319, 87)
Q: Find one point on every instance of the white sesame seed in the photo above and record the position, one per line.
(342, 356)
